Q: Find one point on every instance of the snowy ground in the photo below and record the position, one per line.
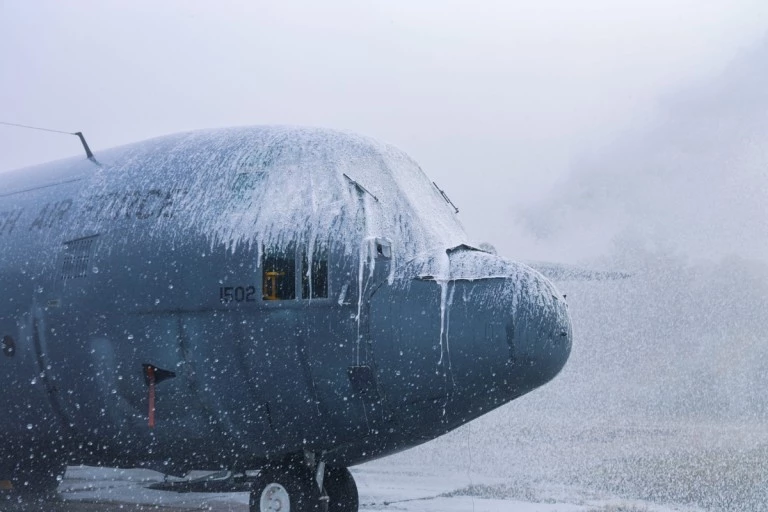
(505, 462)
(383, 487)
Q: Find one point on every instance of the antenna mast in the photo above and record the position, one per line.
(88, 152)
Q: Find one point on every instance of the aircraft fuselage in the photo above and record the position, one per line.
(296, 300)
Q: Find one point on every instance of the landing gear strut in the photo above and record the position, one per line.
(301, 485)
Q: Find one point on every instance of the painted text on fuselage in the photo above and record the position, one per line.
(9, 220)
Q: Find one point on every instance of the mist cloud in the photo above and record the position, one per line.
(693, 181)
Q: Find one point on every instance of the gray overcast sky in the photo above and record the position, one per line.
(495, 99)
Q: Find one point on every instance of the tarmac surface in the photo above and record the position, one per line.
(382, 487)
(631, 467)
(50, 506)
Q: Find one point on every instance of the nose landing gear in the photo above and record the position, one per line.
(275, 498)
(285, 487)
(296, 486)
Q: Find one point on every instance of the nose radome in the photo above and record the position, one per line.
(521, 316)
(538, 332)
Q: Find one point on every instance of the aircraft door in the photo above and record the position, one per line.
(375, 268)
(71, 342)
(364, 375)
(338, 344)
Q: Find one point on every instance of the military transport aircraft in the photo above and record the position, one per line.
(293, 300)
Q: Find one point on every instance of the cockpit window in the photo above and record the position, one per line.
(279, 274)
(314, 275)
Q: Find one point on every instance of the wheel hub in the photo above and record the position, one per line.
(274, 498)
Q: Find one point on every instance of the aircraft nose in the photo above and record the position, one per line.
(504, 329)
(538, 334)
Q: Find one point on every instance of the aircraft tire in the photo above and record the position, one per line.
(287, 487)
(342, 490)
